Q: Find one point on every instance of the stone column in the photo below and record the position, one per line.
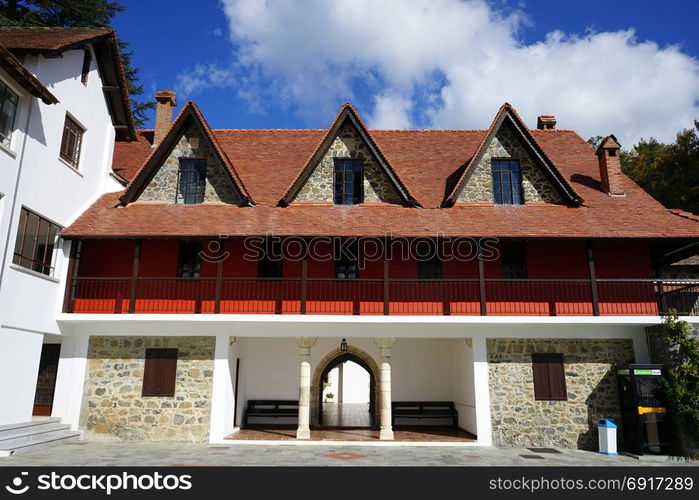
(305, 344)
(385, 344)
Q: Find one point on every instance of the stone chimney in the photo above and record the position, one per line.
(610, 166)
(165, 101)
(546, 122)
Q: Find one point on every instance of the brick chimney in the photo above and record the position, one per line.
(165, 101)
(610, 166)
(546, 122)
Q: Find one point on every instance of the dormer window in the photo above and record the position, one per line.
(349, 181)
(507, 182)
(191, 181)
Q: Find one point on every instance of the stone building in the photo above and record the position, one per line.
(493, 279)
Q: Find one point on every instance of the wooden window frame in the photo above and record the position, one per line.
(5, 91)
(549, 379)
(513, 259)
(340, 181)
(513, 196)
(195, 191)
(28, 258)
(194, 258)
(159, 372)
(70, 153)
(268, 267)
(343, 263)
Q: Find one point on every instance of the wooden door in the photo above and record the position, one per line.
(46, 381)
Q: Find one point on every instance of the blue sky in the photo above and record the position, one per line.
(424, 64)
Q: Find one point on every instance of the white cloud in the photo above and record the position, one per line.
(201, 77)
(451, 63)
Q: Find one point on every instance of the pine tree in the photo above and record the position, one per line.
(73, 14)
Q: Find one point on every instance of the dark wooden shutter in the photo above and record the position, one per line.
(160, 372)
(541, 377)
(549, 377)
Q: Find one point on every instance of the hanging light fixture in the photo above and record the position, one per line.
(343, 345)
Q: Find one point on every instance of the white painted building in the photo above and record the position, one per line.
(40, 192)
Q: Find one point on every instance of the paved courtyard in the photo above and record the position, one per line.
(184, 454)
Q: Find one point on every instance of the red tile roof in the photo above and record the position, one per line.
(39, 39)
(52, 41)
(428, 162)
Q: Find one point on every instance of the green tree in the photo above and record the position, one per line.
(668, 172)
(77, 13)
(681, 358)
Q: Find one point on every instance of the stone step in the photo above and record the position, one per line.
(22, 427)
(41, 444)
(33, 434)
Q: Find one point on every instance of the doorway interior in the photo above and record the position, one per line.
(347, 394)
(46, 380)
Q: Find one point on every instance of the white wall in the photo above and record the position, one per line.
(50, 187)
(19, 363)
(31, 175)
(463, 389)
(355, 383)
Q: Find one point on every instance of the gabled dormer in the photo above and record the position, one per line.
(348, 168)
(187, 165)
(509, 168)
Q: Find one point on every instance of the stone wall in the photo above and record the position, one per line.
(519, 420)
(113, 407)
(348, 144)
(192, 144)
(536, 187)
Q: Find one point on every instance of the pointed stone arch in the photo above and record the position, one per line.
(366, 361)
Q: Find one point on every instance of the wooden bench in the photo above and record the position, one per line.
(425, 410)
(270, 408)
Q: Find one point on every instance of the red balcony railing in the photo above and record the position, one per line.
(492, 297)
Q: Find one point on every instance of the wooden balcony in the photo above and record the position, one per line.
(484, 297)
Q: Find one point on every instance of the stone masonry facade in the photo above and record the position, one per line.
(192, 144)
(536, 188)
(113, 408)
(519, 420)
(348, 143)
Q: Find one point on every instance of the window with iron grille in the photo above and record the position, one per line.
(270, 261)
(514, 262)
(507, 182)
(35, 243)
(8, 110)
(349, 181)
(71, 142)
(191, 181)
(346, 259)
(189, 259)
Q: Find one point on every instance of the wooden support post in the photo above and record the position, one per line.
(134, 276)
(593, 280)
(72, 271)
(481, 281)
(386, 257)
(219, 277)
(304, 283)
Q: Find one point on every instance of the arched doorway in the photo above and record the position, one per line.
(332, 360)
